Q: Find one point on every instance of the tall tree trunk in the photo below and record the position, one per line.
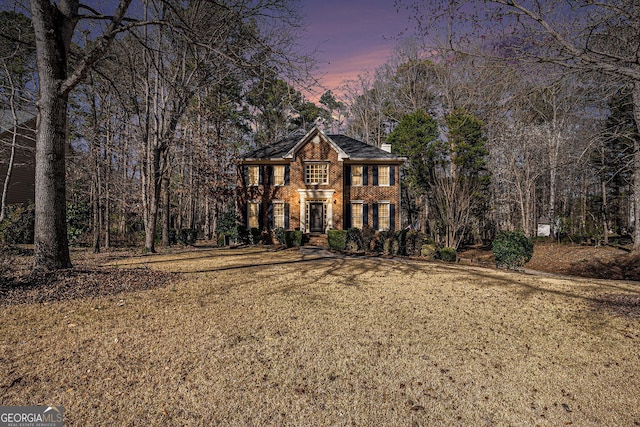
(166, 210)
(107, 215)
(636, 170)
(7, 178)
(53, 32)
(153, 199)
(14, 137)
(96, 224)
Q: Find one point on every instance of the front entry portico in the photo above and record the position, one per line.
(316, 210)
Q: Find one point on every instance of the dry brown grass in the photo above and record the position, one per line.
(251, 337)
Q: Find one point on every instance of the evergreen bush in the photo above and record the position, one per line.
(255, 236)
(355, 239)
(337, 239)
(279, 233)
(447, 254)
(293, 238)
(512, 249)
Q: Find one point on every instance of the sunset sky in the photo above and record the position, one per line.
(354, 35)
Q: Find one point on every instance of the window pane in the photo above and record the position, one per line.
(383, 175)
(383, 216)
(356, 175)
(278, 175)
(254, 175)
(253, 215)
(316, 173)
(356, 215)
(278, 215)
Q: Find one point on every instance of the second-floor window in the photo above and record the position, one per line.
(356, 175)
(316, 173)
(278, 175)
(383, 175)
(254, 175)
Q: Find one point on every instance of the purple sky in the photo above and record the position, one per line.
(354, 35)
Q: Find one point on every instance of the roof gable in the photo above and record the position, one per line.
(315, 135)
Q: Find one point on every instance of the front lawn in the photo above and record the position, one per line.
(253, 337)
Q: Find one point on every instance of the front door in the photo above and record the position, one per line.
(316, 217)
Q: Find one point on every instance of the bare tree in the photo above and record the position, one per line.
(601, 37)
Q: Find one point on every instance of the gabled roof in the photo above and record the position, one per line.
(347, 148)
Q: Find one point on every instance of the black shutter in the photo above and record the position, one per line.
(260, 182)
(245, 215)
(365, 175)
(365, 214)
(392, 175)
(270, 216)
(245, 175)
(347, 175)
(287, 172)
(376, 222)
(269, 172)
(347, 216)
(392, 217)
(374, 173)
(286, 215)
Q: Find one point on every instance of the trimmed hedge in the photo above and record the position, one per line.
(512, 249)
(293, 238)
(337, 239)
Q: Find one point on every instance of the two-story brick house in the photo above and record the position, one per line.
(319, 182)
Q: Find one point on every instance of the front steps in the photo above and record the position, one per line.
(317, 240)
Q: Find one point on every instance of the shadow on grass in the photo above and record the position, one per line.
(208, 254)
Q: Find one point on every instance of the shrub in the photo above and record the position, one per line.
(355, 240)
(429, 251)
(188, 236)
(79, 217)
(337, 239)
(255, 235)
(447, 254)
(293, 238)
(17, 228)
(173, 236)
(401, 237)
(367, 236)
(413, 242)
(512, 249)
(243, 234)
(279, 233)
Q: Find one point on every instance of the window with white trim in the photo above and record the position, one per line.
(254, 212)
(278, 214)
(383, 175)
(278, 175)
(357, 215)
(316, 173)
(384, 216)
(356, 175)
(254, 175)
